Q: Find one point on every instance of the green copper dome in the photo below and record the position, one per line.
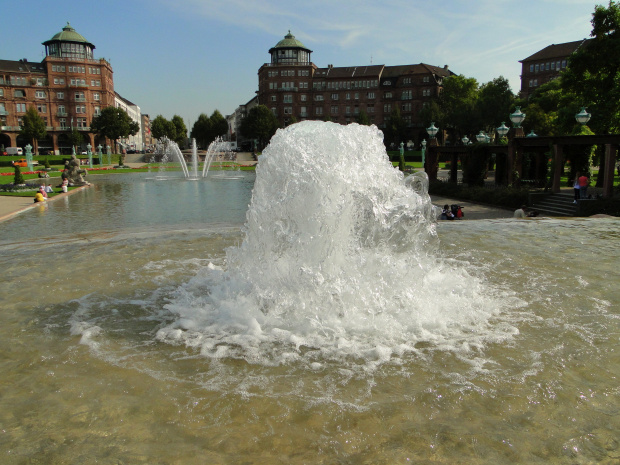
(68, 34)
(289, 41)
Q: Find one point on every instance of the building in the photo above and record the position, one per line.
(68, 88)
(546, 65)
(147, 135)
(296, 89)
(132, 143)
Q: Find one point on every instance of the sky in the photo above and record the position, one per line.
(187, 57)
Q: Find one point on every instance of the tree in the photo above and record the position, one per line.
(33, 127)
(593, 72)
(260, 123)
(180, 130)
(494, 103)
(395, 130)
(19, 177)
(362, 118)
(201, 131)
(114, 123)
(457, 101)
(75, 138)
(219, 126)
(161, 127)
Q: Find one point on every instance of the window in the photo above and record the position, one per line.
(406, 106)
(20, 107)
(318, 111)
(95, 83)
(80, 109)
(304, 111)
(387, 83)
(274, 111)
(426, 79)
(553, 66)
(388, 95)
(387, 108)
(348, 110)
(563, 63)
(39, 94)
(426, 93)
(288, 110)
(61, 110)
(407, 95)
(274, 98)
(288, 98)
(79, 97)
(536, 68)
(63, 123)
(60, 95)
(357, 95)
(347, 96)
(97, 111)
(318, 98)
(41, 108)
(370, 108)
(303, 97)
(407, 80)
(334, 96)
(334, 109)
(19, 93)
(81, 123)
(531, 68)
(371, 95)
(59, 81)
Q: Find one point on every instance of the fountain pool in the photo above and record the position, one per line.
(332, 320)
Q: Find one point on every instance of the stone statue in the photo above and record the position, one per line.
(73, 174)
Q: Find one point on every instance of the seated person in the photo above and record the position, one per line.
(38, 197)
(520, 212)
(446, 213)
(49, 189)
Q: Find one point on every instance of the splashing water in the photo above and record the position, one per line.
(340, 260)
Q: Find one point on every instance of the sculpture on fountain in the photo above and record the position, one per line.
(73, 174)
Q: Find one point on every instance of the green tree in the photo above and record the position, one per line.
(593, 72)
(201, 131)
(33, 127)
(494, 103)
(219, 126)
(180, 130)
(260, 123)
(75, 138)
(396, 128)
(457, 101)
(114, 123)
(161, 127)
(19, 177)
(362, 118)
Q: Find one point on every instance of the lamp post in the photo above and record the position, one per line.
(432, 132)
(424, 154)
(481, 137)
(583, 116)
(517, 118)
(465, 140)
(502, 131)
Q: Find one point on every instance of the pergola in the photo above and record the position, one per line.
(517, 146)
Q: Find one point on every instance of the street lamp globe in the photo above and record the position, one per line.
(532, 134)
(502, 130)
(465, 140)
(517, 117)
(482, 137)
(583, 116)
(432, 130)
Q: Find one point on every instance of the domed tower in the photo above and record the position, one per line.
(290, 51)
(69, 44)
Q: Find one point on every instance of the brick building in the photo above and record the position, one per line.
(546, 65)
(68, 88)
(296, 89)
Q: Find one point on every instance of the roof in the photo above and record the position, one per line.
(422, 68)
(557, 50)
(68, 34)
(22, 66)
(290, 41)
(349, 71)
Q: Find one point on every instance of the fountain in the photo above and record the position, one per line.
(332, 320)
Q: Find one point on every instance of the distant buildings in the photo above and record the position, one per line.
(295, 89)
(68, 88)
(546, 65)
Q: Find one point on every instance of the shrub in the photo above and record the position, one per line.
(19, 178)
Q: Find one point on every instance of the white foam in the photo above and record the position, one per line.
(339, 260)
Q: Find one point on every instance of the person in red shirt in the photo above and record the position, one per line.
(583, 186)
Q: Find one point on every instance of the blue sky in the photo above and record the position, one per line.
(188, 57)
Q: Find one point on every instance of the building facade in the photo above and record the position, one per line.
(296, 89)
(133, 143)
(68, 88)
(546, 65)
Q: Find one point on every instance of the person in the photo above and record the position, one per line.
(583, 186)
(65, 183)
(42, 191)
(48, 189)
(520, 212)
(38, 197)
(446, 213)
(576, 187)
